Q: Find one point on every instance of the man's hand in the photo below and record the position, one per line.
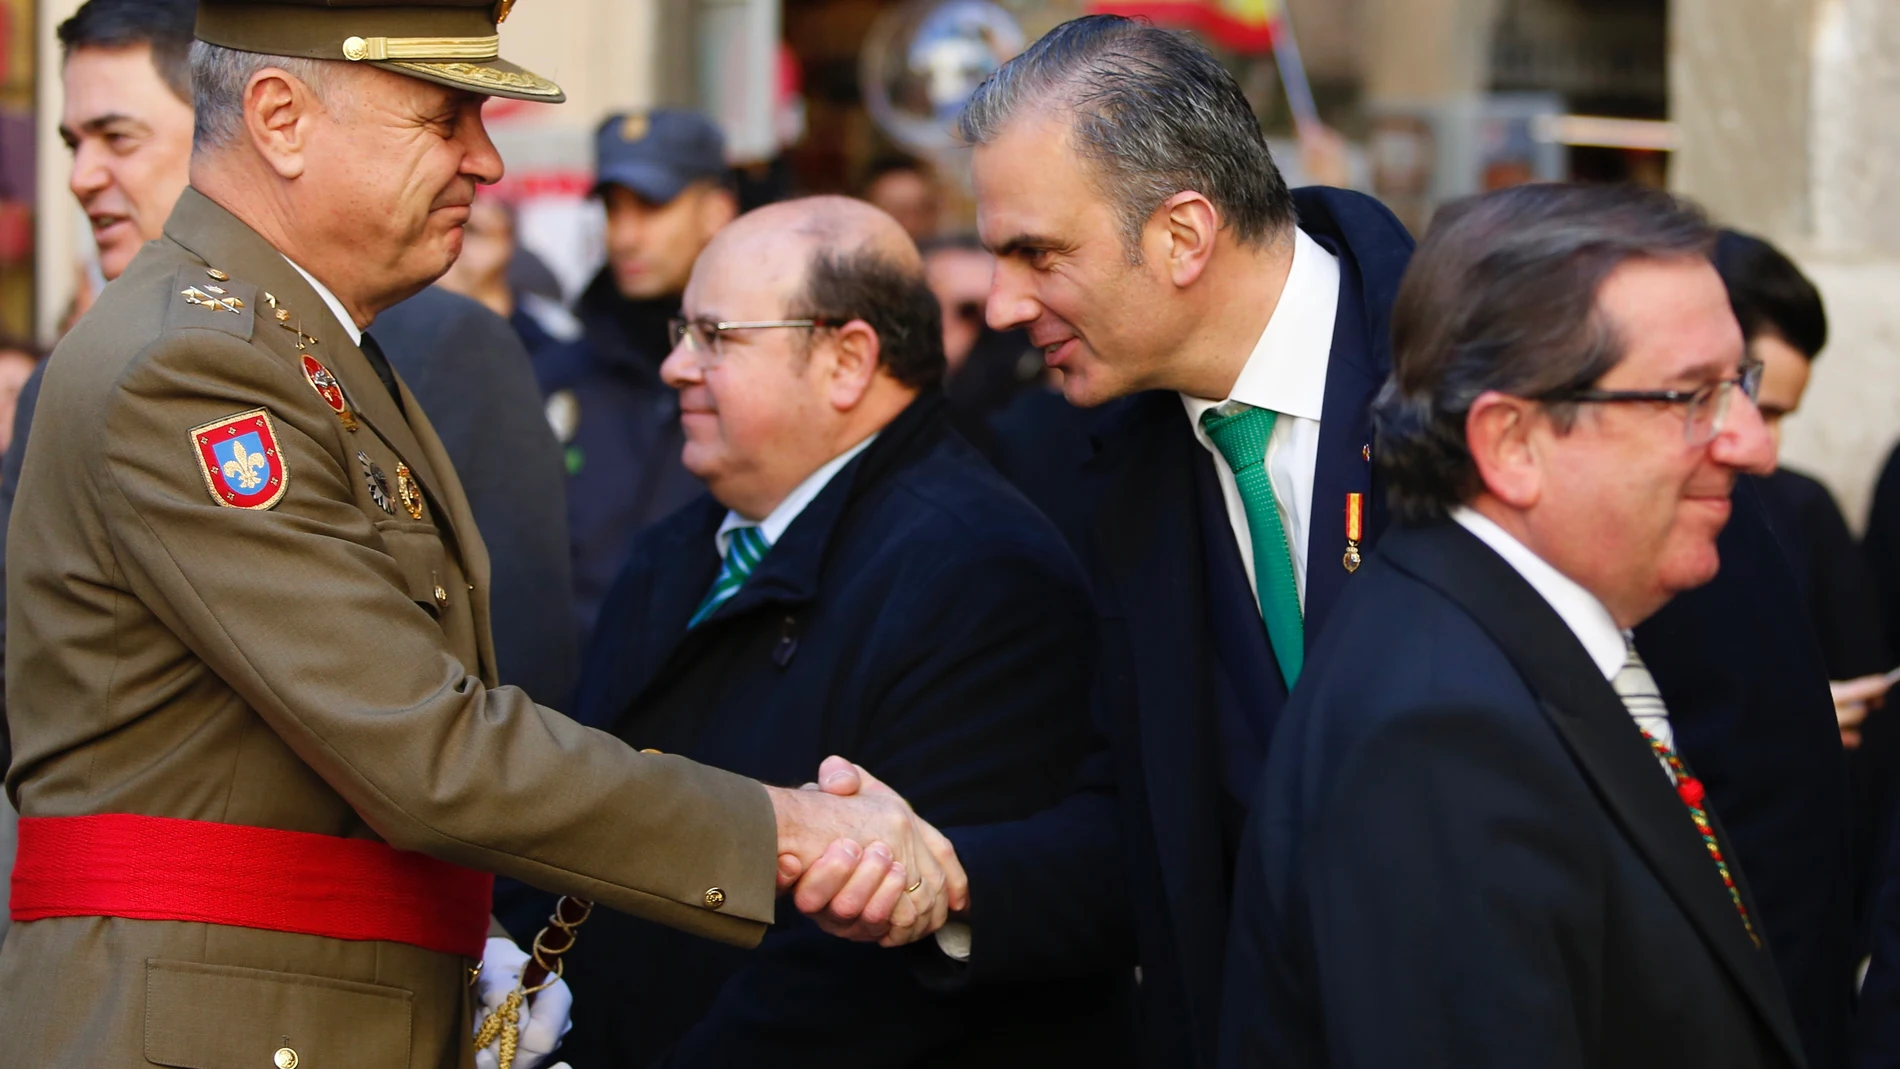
(1853, 700)
(866, 867)
(542, 1025)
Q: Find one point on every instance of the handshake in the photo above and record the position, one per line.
(860, 862)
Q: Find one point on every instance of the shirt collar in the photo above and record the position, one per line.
(1286, 371)
(1607, 644)
(803, 494)
(335, 306)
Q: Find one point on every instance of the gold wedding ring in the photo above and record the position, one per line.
(913, 886)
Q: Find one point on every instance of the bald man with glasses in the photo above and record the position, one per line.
(857, 582)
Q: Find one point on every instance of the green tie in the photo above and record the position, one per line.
(1242, 441)
(743, 553)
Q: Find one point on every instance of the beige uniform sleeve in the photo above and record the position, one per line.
(303, 611)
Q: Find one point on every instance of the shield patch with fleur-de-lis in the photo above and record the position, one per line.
(240, 460)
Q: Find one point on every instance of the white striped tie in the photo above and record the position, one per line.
(1644, 701)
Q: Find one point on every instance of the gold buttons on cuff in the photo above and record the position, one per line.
(285, 1058)
(715, 898)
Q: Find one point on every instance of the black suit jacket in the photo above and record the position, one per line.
(1469, 857)
(1136, 854)
(1835, 584)
(918, 617)
(472, 374)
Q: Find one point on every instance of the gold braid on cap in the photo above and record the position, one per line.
(356, 49)
(543, 969)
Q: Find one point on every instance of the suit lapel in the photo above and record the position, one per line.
(1345, 433)
(1597, 728)
(1151, 548)
(680, 562)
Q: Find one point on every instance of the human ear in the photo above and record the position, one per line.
(1183, 230)
(279, 114)
(854, 365)
(1500, 432)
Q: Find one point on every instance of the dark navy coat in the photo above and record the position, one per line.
(622, 441)
(1465, 855)
(920, 618)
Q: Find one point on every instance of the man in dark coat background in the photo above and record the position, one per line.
(662, 177)
(883, 595)
(1487, 851)
(1201, 295)
(471, 373)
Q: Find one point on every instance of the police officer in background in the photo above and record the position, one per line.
(262, 763)
(663, 179)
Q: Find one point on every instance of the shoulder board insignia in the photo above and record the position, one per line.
(201, 298)
(240, 460)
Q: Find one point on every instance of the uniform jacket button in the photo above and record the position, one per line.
(285, 1058)
(715, 898)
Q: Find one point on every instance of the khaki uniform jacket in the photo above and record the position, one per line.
(322, 665)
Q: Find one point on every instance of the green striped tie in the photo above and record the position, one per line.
(743, 553)
(1241, 438)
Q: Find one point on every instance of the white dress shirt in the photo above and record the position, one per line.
(1286, 373)
(1607, 644)
(803, 494)
(329, 299)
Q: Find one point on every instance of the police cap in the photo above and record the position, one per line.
(452, 42)
(658, 153)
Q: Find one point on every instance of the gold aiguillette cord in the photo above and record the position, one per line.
(543, 969)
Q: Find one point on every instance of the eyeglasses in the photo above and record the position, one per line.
(1707, 407)
(703, 337)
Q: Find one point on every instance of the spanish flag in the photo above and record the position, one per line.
(1245, 26)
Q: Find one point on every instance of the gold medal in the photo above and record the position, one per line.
(408, 491)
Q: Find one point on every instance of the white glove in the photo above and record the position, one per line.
(545, 1022)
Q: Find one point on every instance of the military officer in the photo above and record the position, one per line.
(263, 769)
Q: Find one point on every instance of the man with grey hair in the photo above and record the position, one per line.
(1489, 852)
(263, 765)
(1147, 244)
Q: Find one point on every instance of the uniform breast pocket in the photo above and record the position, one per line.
(201, 1016)
(424, 564)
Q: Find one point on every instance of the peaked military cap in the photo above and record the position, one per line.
(456, 43)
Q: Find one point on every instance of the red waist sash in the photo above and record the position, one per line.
(165, 869)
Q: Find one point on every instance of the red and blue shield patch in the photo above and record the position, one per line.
(242, 464)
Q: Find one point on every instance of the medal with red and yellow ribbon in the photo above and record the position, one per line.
(1355, 530)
